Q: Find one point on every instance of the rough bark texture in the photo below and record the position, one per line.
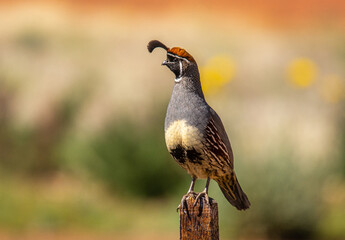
(196, 224)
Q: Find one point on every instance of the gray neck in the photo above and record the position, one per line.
(187, 101)
(190, 82)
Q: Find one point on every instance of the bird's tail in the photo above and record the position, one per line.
(233, 191)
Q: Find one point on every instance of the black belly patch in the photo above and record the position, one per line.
(181, 155)
(194, 156)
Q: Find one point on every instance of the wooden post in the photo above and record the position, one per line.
(196, 224)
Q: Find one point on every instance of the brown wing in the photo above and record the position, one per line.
(218, 144)
(220, 149)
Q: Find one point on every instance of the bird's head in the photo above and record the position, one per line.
(179, 61)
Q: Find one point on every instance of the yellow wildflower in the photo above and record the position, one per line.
(302, 72)
(218, 71)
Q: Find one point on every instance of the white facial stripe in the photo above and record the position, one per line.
(180, 77)
(180, 68)
(173, 55)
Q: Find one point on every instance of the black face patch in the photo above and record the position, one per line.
(175, 67)
(194, 156)
(179, 154)
(172, 58)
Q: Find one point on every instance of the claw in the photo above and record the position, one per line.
(183, 203)
(183, 206)
(199, 197)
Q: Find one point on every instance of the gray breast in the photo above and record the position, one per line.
(187, 106)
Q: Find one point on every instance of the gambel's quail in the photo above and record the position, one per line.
(194, 133)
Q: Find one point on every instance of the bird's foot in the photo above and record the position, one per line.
(200, 197)
(183, 205)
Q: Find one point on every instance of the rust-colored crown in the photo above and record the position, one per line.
(181, 53)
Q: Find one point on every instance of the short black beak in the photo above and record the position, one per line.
(165, 63)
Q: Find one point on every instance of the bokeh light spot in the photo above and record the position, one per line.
(333, 89)
(302, 72)
(218, 71)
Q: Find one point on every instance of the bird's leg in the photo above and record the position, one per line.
(183, 204)
(191, 188)
(203, 194)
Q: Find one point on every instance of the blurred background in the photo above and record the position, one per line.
(82, 107)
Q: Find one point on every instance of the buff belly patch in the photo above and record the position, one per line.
(179, 133)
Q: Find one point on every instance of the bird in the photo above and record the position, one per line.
(194, 133)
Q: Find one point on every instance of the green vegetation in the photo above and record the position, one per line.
(129, 159)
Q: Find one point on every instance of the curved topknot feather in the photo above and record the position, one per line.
(154, 44)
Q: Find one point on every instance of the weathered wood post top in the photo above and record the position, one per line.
(199, 222)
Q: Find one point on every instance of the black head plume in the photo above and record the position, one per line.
(155, 44)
